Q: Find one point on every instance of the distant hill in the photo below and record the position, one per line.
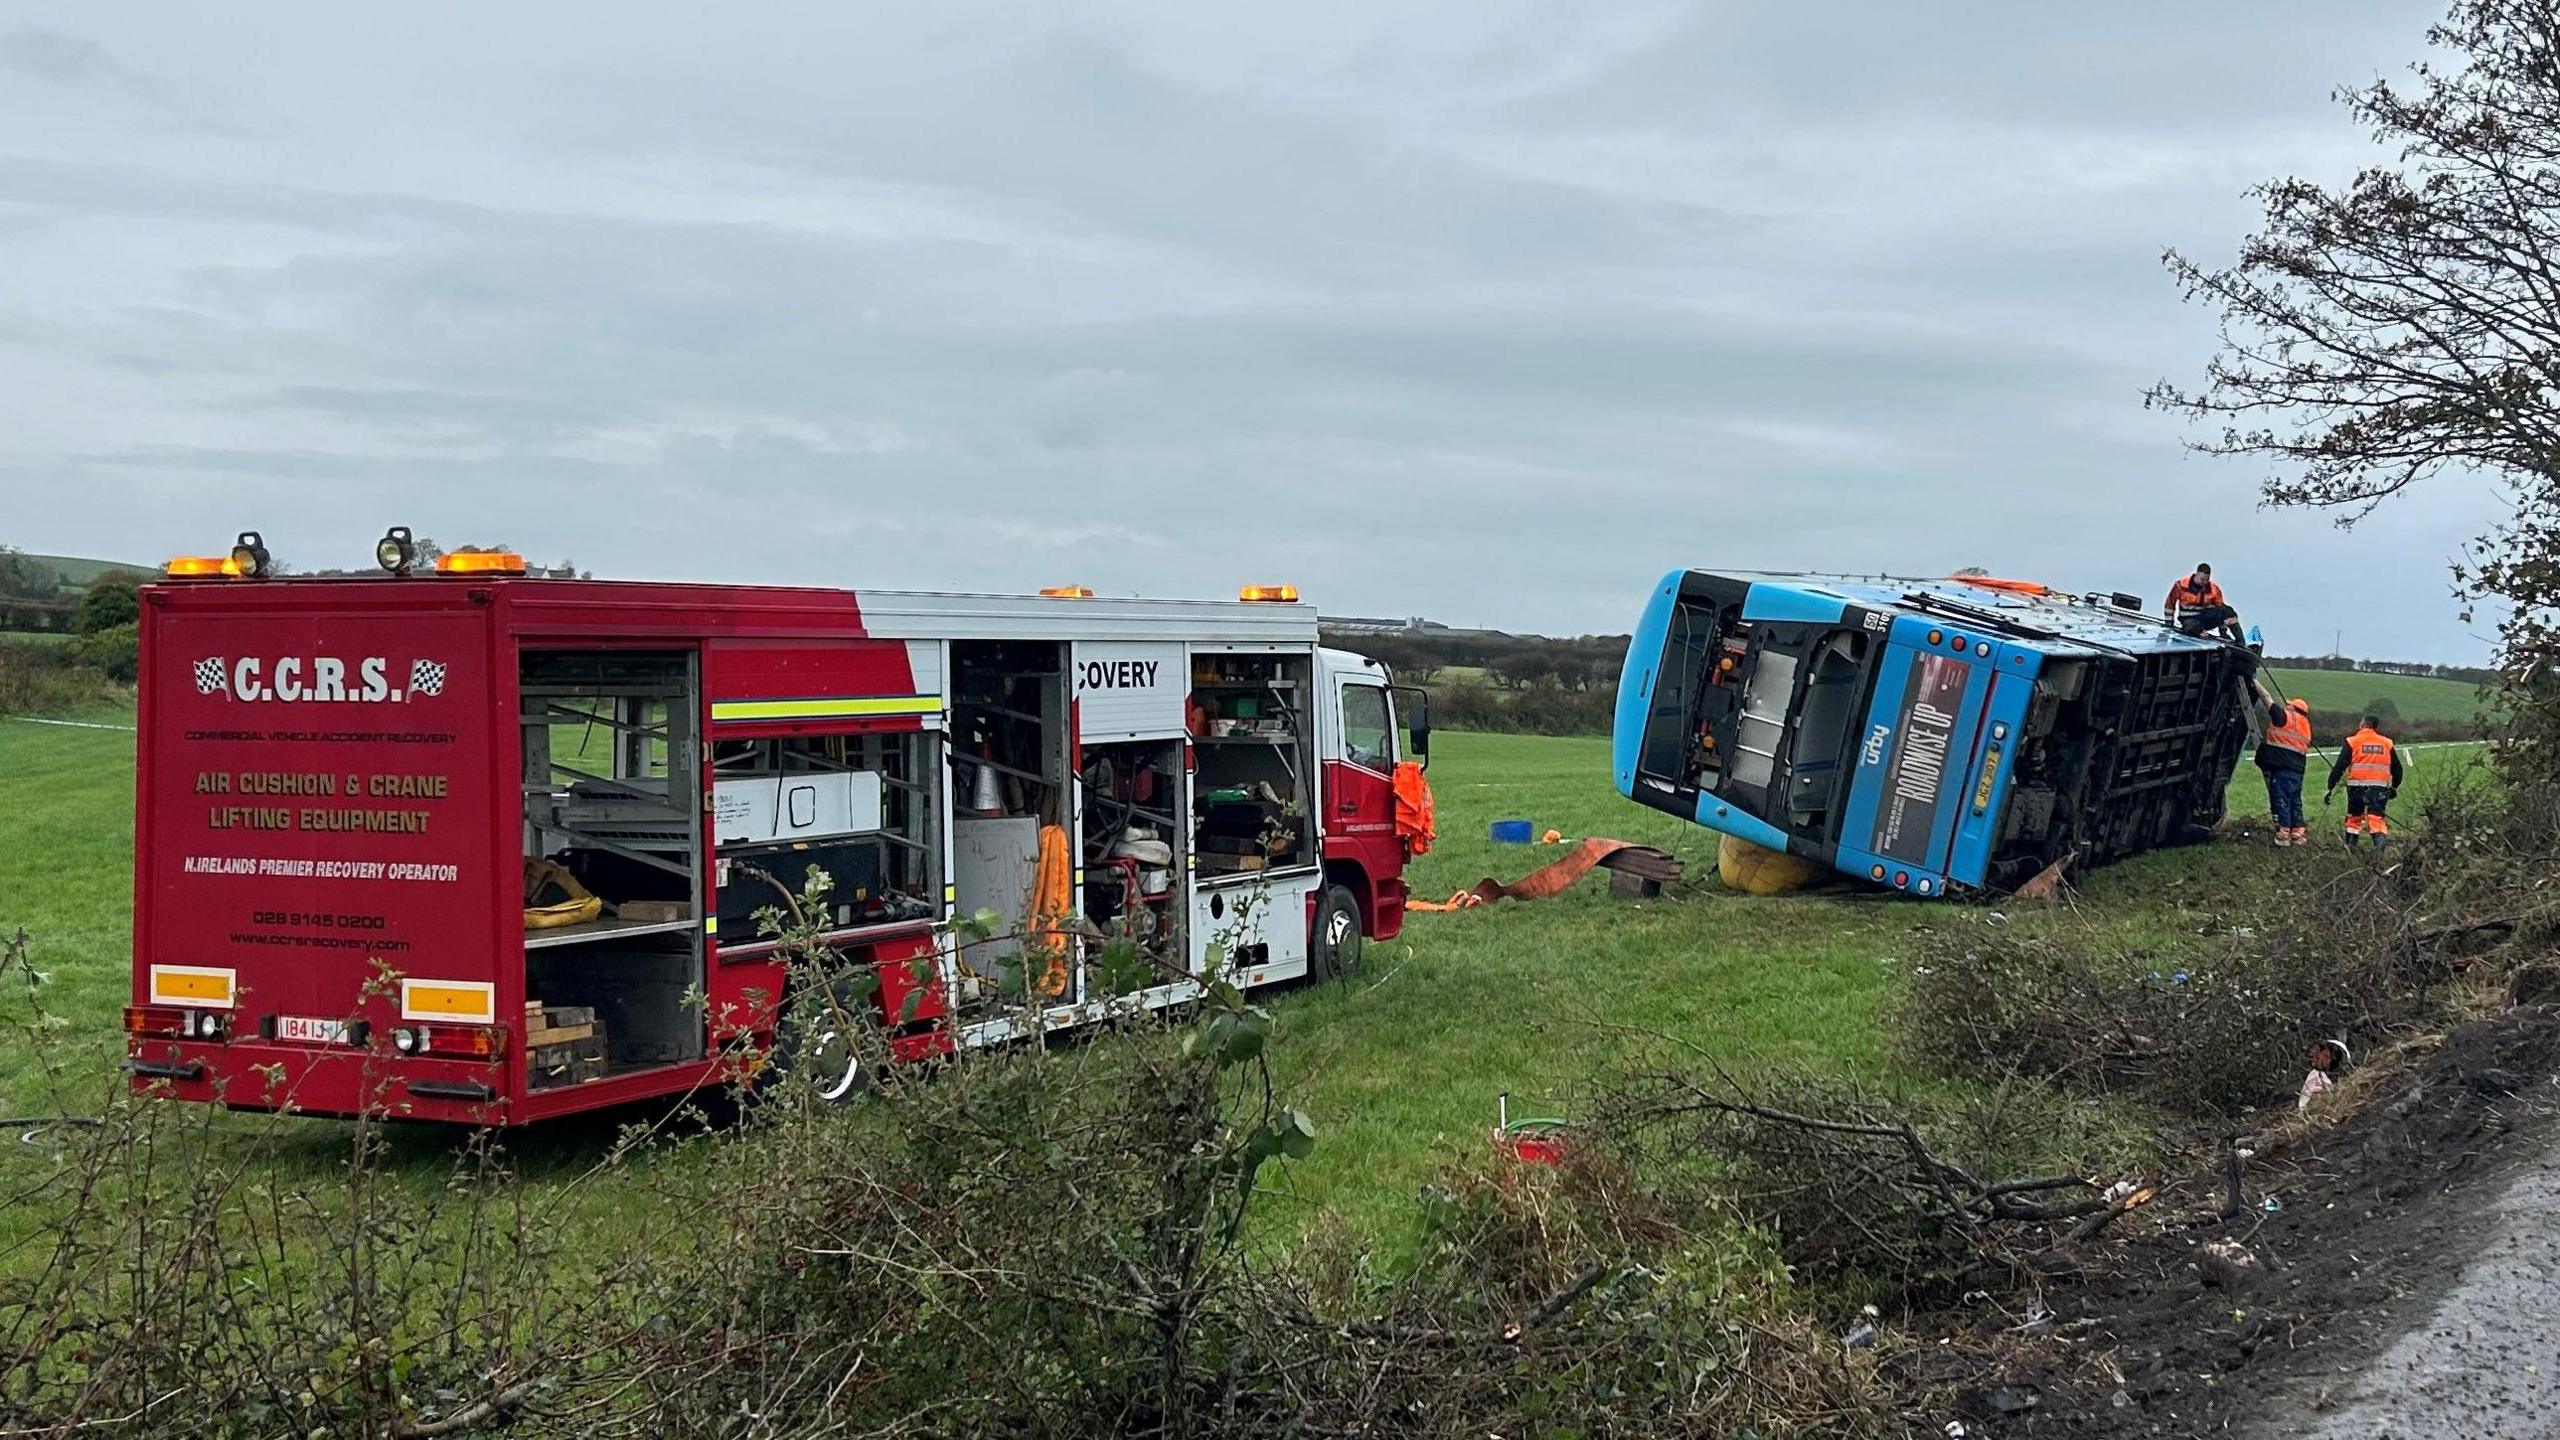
(26, 608)
(76, 572)
(2414, 697)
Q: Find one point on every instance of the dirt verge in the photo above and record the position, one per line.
(2360, 1245)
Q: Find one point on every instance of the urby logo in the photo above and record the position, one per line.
(316, 679)
(1872, 752)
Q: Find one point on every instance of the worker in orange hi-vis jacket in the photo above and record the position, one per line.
(2196, 605)
(2370, 765)
(2284, 752)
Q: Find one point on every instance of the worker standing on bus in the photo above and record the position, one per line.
(2370, 765)
(2284, 752)
(2196, 605)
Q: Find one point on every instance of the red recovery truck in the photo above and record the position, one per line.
(483, 847)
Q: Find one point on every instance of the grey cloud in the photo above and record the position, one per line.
(1486, 311)
(63, 59)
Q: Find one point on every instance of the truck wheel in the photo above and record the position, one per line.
(825, 1043)
(1333, 948)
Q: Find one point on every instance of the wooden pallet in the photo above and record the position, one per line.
(1639, 871)
(564, 1045)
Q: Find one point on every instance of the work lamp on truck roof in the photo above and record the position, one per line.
(249, 555)
(395, 552)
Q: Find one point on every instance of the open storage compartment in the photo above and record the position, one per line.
(1134, 846)
(613, 860)
(1254, 786)
(859, 807)
(1011, 853)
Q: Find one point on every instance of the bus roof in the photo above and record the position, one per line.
(2053, 620)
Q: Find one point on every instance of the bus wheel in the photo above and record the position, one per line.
(1333, 949)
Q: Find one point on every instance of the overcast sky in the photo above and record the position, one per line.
(1480, 310)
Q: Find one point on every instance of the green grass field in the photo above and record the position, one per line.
(1400, 1070)
(2416, 697)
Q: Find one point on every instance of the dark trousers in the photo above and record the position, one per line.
(2284, 798)
(2366, 805)
(2198, 619)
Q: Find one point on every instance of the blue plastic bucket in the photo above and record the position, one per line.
(1510, 832)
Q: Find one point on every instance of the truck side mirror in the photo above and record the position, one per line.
(1416, 704)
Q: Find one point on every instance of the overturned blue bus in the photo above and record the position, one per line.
(1930, 735)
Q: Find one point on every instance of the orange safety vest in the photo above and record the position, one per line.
(2295, 733)
(2185, 596)
(2368, 758)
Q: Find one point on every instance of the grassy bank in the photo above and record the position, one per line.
(1400, 1070)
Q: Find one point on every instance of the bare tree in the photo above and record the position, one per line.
(2407, 323)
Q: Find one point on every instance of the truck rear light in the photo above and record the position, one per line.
(166, 1020)
(448, 1040)
(177, 1022)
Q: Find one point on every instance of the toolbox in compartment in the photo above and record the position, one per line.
(853, 864)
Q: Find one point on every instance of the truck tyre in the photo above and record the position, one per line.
(1334, 945)
(830, 1044)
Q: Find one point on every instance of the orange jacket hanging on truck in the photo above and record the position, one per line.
(1415, 824)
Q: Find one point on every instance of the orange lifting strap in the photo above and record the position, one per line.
(2018, 587)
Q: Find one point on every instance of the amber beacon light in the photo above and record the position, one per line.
(480, 562)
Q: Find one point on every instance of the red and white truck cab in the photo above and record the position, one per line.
(484, 847)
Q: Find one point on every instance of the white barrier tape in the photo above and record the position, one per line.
(72, 724)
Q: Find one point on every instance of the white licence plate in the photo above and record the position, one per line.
(316, 1032)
